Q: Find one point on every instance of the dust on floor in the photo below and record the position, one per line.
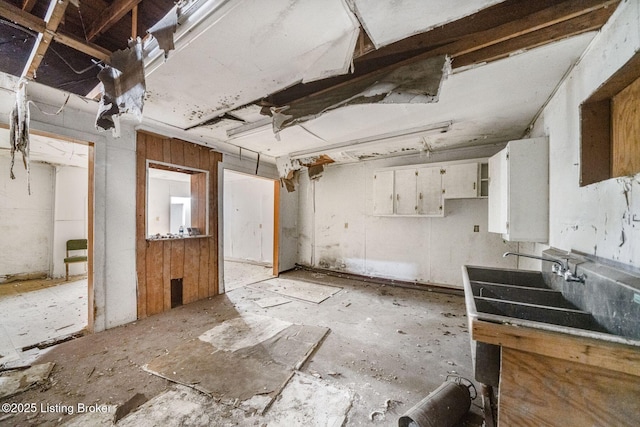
(387, 348)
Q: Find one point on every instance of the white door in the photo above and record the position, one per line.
(405, 191)
(383, 193)
(460, 181)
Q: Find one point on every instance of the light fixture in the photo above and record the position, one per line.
(441, 127)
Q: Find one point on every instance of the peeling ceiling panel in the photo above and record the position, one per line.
(491, 103)
(247, 50)
(388, 22)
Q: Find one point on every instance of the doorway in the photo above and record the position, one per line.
(40, 211)
(250, 229)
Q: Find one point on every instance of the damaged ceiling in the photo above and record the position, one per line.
(347, 79)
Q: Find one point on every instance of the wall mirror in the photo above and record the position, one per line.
(177, 201)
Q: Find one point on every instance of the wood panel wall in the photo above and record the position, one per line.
(195, 260)
(625, 108)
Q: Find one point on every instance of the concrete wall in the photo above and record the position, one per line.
(26, 225)
(601, 219)
(70, 216)
(338, 231)
(248, 217)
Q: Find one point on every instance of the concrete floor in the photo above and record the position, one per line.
(389, 346)
(36, 311)
(238, 274)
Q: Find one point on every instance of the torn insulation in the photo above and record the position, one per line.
(19, 132)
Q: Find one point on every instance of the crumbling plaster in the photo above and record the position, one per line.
(601, 219)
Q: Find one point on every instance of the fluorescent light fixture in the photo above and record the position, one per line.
(249, 128)
(370, 140)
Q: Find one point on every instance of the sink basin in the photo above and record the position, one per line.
(516, 297)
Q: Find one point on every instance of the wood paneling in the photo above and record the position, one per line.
(195, 260)
(625, 110)
(616, 357)
(595, 151)
(537, 390)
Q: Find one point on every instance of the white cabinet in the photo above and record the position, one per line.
(460, 181)
(408, 192)
(519, 191)
(429, 191)
(405, 191)
(383, 192)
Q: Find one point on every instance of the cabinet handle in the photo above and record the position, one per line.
(474, 185)
(420, 196)
(397, 197)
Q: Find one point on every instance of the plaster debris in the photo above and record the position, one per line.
(419, 82)
(17, 381)
(124, 86)
(164, 30)
(19, 132)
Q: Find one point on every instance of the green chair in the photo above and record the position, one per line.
(75, 245)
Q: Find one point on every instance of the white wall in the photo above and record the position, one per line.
(601, 219)
(248, 205)
(159, 202)
(70, 216)
(26, 226)
(338, 231)
(115, 198)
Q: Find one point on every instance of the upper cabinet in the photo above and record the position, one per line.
(519, 191)
(421, 190)
(460, 181)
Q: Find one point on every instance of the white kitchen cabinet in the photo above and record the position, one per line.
(460, 181)
(429, 191)
(405, 192)
(519, 191)
(383, 192)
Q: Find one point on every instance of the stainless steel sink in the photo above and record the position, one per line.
(516, 297)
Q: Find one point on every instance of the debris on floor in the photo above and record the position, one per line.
(306, 291)
(272, 302)
(263, 351)
(18, 380)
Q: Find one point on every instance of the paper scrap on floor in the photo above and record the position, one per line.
(244, 361)
(306, 291)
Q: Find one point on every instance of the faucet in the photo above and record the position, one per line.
(560, 268)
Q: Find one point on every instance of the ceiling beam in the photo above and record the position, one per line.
(27, 20)
(27, 5)
(55, 13)
(110, 16)
(87, 48)
(561, 16)
(573, 27)
(20, 17)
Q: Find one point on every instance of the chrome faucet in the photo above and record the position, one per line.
(560, 268)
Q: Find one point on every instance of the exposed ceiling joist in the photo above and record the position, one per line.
(20, 17)
(110, 16)
(573, 27)
(527, 28)
(55, 13)
(27, 5)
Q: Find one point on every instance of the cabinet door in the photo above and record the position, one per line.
(429, 185)
(405, 192)
(460, 181)
(383, 193)
(498, 193)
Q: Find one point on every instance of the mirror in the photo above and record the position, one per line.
(177, 201)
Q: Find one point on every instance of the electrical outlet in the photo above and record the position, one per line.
(476, 228)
